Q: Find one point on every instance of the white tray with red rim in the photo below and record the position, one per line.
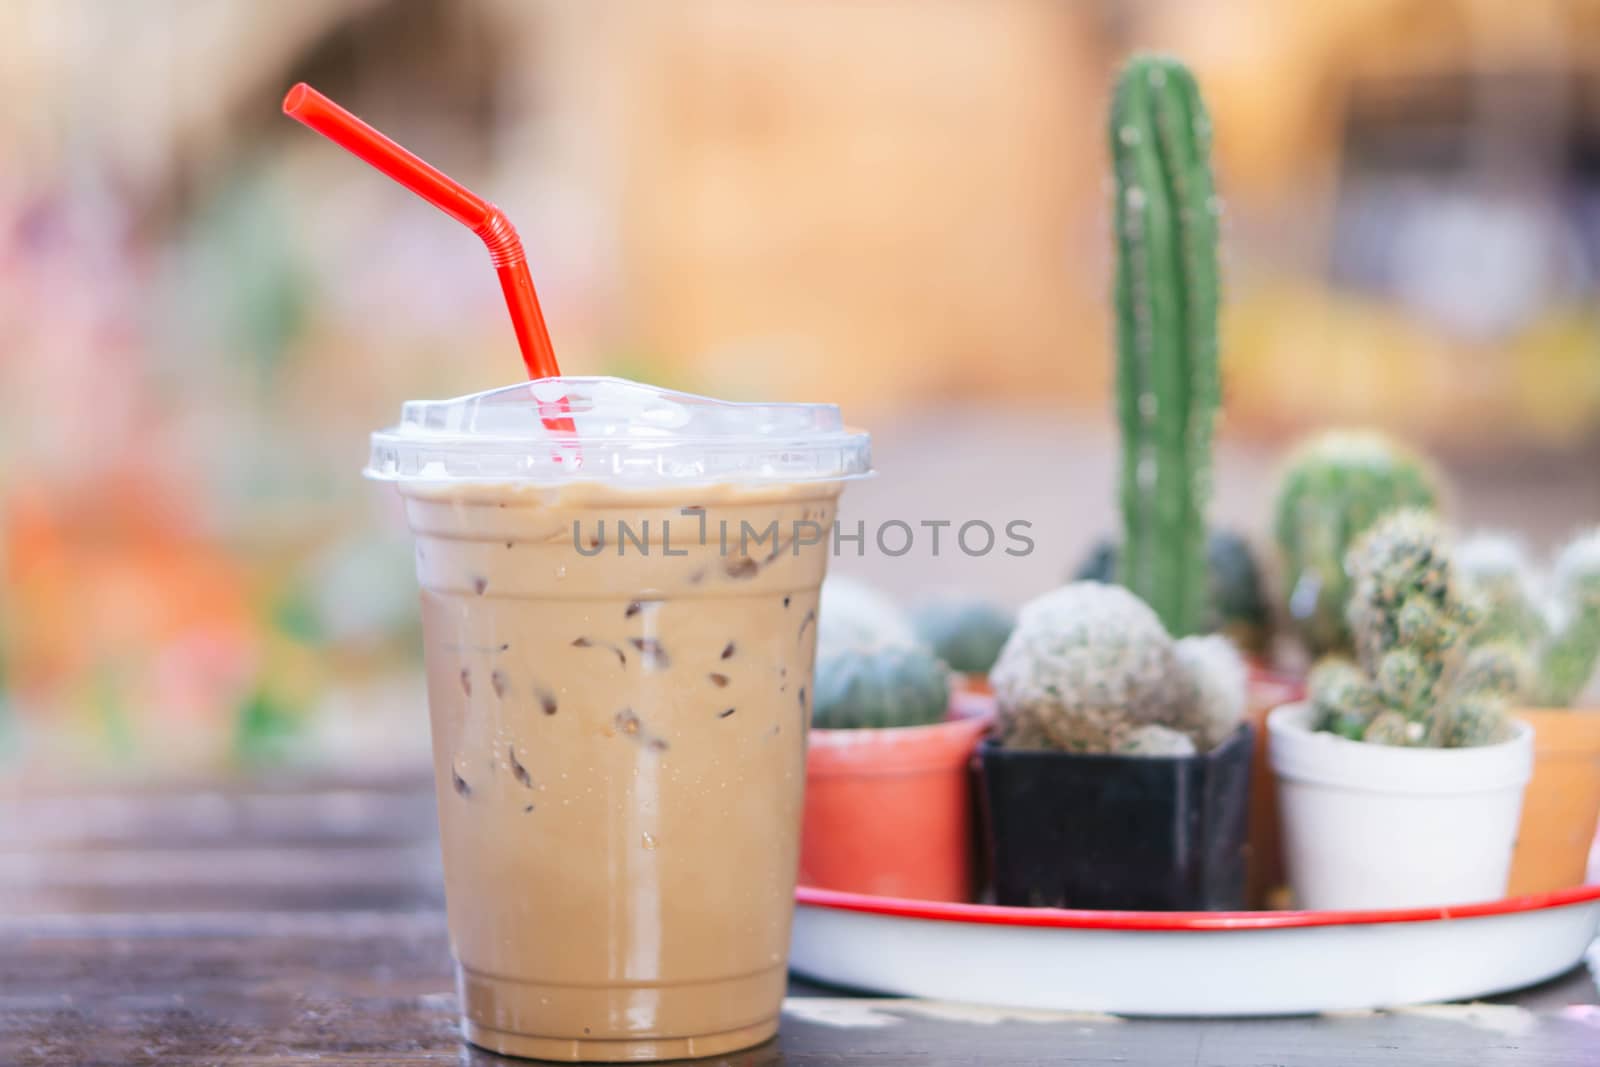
(1190, 963)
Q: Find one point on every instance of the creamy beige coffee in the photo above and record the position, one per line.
(619, 746)
(619, 679)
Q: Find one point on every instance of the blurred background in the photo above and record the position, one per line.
(897, 205)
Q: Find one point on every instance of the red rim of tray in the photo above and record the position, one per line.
(1079, 919)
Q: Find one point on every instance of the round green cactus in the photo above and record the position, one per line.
(1333, 488)
(966, 633)
(881, 686)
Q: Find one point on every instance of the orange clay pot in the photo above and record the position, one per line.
(1265, 878)
(889, 811)
(1562, 804)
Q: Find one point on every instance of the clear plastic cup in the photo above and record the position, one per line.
(620, 628)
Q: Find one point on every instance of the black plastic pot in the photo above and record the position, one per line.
(1147, 833)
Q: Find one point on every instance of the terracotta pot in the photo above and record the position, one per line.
(1562, 804)
(889, 812)
(1266, 882)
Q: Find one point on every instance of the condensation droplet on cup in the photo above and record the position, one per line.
(648, 840)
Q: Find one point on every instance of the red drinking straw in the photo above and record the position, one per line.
(306, 105)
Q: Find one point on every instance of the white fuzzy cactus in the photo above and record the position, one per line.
(1218, 679)
(1089, 666)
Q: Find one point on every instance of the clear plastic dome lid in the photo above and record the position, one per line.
(610, 430)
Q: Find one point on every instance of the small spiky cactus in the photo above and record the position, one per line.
(1554, 623)
(879, 686)
(1089, 668)
(1417, 678)
(1333, 488)
(1168, 385)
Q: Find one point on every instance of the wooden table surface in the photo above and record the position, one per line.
(301, 921)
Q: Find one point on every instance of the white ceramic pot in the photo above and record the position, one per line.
(1378, 826)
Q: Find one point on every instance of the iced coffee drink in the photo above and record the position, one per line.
(620, 625)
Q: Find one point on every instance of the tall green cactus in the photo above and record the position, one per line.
(1168, 386)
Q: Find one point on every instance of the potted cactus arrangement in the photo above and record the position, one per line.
(1401, 777)
(1331, 489)
(1117, 775)
(888, 806)
(1118, 772)
(1553, 621)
